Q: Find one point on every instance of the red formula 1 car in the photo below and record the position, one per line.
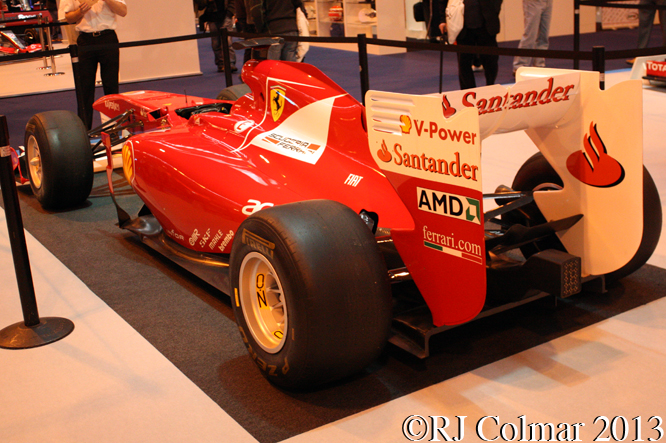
(11, 44)
(308, 208)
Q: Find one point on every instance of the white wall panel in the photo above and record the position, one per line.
(151, 19)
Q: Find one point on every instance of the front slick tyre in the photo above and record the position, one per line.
(60, 161)
(311, 293)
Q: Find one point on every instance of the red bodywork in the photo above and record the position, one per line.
(202, 176)
(11, 44)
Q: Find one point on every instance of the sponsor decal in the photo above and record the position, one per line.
(592, 165)
(353, 180)
(226, 241)
(449, 205)
(405, 124)
(194, 237)
(254, 241)
(655, 68)
(242, 126)
(294, 145)
(254, 206)
(174, 234)
(432, 130)
(517, 100)
(277, 99)
(448, 244)
(108, 104)
(447, 109)
(218, 235)
(204, 238)
(450, 167)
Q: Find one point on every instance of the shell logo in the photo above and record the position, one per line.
(128, 162)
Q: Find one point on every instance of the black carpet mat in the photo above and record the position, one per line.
(192, 324)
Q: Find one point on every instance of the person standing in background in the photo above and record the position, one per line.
(218, 14)
(536, 16)
(480, 28)
(646, 20)
(244, 24)
(96, 21)
(280, 19)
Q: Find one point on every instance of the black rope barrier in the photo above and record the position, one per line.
(616, 4)
(33, 331)
(614, 55)
(576, 55)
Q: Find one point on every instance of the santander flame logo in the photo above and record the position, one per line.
(447, 109)
(384, 154)
(592, 165)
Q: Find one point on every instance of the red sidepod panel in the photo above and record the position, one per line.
(145, 102)
(290, 140)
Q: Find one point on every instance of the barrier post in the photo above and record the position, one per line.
(441, 69)
(576, 36)
(599, 64)
(74, 55)
(224, 35)
(41, 41)
(49, 44)
(32, 331)
(363, 65)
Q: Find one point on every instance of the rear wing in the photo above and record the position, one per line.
(430, 149)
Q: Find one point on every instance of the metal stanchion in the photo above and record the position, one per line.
(32, 331)
(41, 41)
(363, 65)
(49, 45)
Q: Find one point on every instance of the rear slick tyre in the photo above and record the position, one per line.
(310, 293)
(537, 174)
(59, 158)
(233, 93)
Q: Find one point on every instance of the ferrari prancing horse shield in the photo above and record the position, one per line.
(277, 101)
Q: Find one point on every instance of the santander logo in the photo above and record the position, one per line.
(384, 154)
(447, 109)
(592, 165)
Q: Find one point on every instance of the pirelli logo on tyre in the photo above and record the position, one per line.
(260, 244)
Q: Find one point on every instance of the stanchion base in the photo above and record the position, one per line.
(54, 74)
(43, 68)
(49, 329)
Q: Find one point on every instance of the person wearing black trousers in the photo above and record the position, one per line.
(480, 28)
(96, 23)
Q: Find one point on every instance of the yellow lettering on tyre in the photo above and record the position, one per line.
(261, 293)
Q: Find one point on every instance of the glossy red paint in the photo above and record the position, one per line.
(202, 176)
(11, 44)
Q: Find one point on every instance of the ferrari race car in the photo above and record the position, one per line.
(313, 212)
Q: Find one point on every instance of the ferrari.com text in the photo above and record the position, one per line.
(493, 428)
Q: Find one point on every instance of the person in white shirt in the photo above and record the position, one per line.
(96, 22)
